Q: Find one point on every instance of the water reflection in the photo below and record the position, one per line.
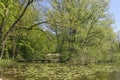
(12, 73)
(114, 76)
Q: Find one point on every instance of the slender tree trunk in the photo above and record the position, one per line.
(14, 41)
(2, 49)
(1, 27)
(57, 38)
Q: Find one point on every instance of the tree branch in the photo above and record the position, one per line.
(36, 24)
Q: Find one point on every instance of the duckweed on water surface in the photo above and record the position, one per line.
(55, 71)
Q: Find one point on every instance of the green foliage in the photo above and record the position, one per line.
(80, 25)
(27, 51)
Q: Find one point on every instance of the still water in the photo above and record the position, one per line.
(58, 72)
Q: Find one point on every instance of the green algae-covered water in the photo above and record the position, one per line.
(56, 71)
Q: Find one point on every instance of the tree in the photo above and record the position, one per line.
(11, 19)
(79, 24)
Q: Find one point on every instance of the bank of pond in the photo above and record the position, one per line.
(60, 71)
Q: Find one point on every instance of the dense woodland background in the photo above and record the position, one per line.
(80, 31)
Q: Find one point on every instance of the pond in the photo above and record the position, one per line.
(55, 71)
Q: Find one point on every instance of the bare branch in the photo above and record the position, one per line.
(36, 24)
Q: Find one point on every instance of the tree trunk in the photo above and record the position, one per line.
(2, 49)
(14, 41)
